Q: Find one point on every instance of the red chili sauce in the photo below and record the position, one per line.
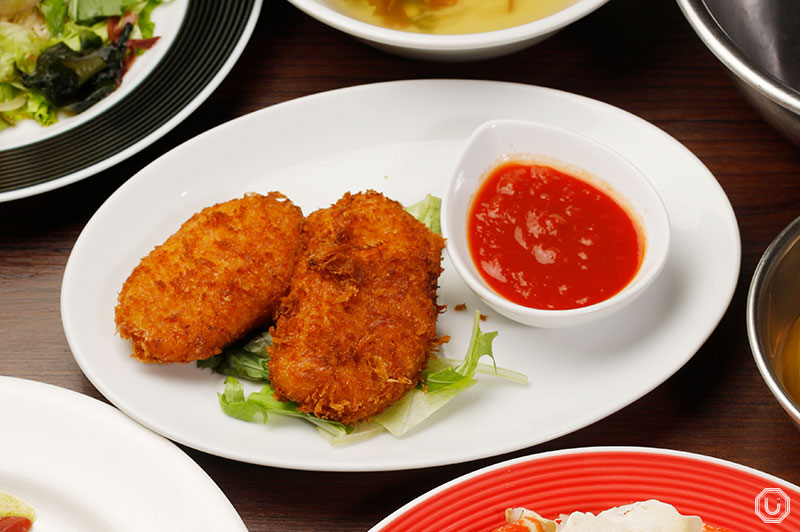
(545, 239)
(15, 523)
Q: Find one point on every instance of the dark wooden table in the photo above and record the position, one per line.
(640, 56)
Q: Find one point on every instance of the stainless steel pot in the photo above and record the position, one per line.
(758, 41)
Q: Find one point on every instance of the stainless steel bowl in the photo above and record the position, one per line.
(773, 304)
(758, 42)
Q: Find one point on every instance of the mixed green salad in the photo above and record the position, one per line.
(441, 381)
(66, 55)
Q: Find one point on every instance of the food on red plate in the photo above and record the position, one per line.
(644, 516)
(359, 323)
(548, 240)
(15, 523)
(221, 275)
(15, 514)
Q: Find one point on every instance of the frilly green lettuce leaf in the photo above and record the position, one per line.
(35, 107)
(55, 15)
(40, 110)
(19, 46)
(233, 403)
(257, 406)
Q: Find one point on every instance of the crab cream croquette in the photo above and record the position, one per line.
(221, 275)
(359, 323)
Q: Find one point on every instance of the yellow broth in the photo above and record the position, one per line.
(788, 363)
(464, 16)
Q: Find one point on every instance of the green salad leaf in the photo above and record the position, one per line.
(39, 109)
(87, 10)
(8, 93)
(23, 105)
(246, 361)
(249, 361)
(427, 211)
(234, 403)
(145, 23)
(55, 14)
(257, 406)
(19, 46)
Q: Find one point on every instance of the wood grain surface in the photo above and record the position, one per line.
(641, 56)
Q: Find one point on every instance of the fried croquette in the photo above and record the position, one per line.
(222, 274)
(359, 322)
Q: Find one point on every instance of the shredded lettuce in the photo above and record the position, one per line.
(19, 47)
(427, 211)
(55, 14)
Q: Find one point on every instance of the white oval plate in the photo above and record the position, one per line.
(84, 465)
(403, 138)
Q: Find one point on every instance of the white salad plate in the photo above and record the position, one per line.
(167, 19)
(403, 138)
(84, 465)
(163, 86)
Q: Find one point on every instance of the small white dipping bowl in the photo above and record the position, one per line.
(458, 47)
(499, 141)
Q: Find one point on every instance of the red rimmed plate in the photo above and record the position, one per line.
(723, 494)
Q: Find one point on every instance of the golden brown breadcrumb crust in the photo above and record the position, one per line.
(222, 274)
(359, 323)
